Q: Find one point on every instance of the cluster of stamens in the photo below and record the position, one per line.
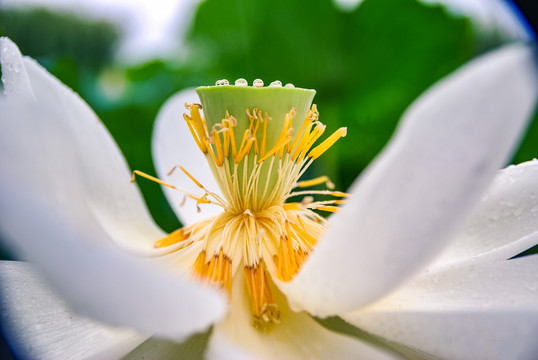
(259, 228)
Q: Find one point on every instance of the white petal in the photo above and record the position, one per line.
(420, 189)
(40, 326)
(105, 175)
(192, 349)
(297, 337)
(487, 311)
(95, 277)
(505, 222)
(173, 145)
(14, 77)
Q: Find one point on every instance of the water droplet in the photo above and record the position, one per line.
(241, 82)
(289, 86)
(276, 83)
(222, 82)
(258, 83)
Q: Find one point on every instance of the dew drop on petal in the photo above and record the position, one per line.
(258, 83)
(241, 82)
(276, 83)
(289, 86)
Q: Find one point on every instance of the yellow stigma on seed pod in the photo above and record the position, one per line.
(258, 141)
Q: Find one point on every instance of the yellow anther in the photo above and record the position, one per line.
(200, 199)
(316, 181)
(149, 177)
(339, 194)
(305, 127)
(245, 149)
(217, 271)
(328, 208)
(232, 137)
(194, 134)
(218, 147)
(319, 129)
(274, 150)
(265, 311)
(266, 119)
(287, 131)
(325, 145)
(171, 239)
(191, 177)
(293, 206)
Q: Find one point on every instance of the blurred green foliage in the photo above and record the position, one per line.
(51, 36)
(367, 66)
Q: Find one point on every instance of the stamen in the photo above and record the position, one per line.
(316, 181)
(312, 138)
(188, 120)
(275, 149)
(217, 271)
(303, 130)
(232, 136)
(329, 208)
(265, 311)
(325, 145)
(318, 192)
(293, 206)
(152, 178)
(218, 146)
(264, 139)
(199, 125)
(199, 199)
(171, 239)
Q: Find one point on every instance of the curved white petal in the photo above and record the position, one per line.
(191, 349)
(40, 326)
(14, 77)
(96, 278)
(297, 336)
(505, 222)
(84, 140)
(64, 202)
(404, 208)
(484, 311)
(173, 145)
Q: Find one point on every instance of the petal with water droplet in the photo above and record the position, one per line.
(484, 311)
(505, 222)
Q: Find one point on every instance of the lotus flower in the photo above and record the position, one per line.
(417, 258)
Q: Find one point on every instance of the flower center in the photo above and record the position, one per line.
(258, 142)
